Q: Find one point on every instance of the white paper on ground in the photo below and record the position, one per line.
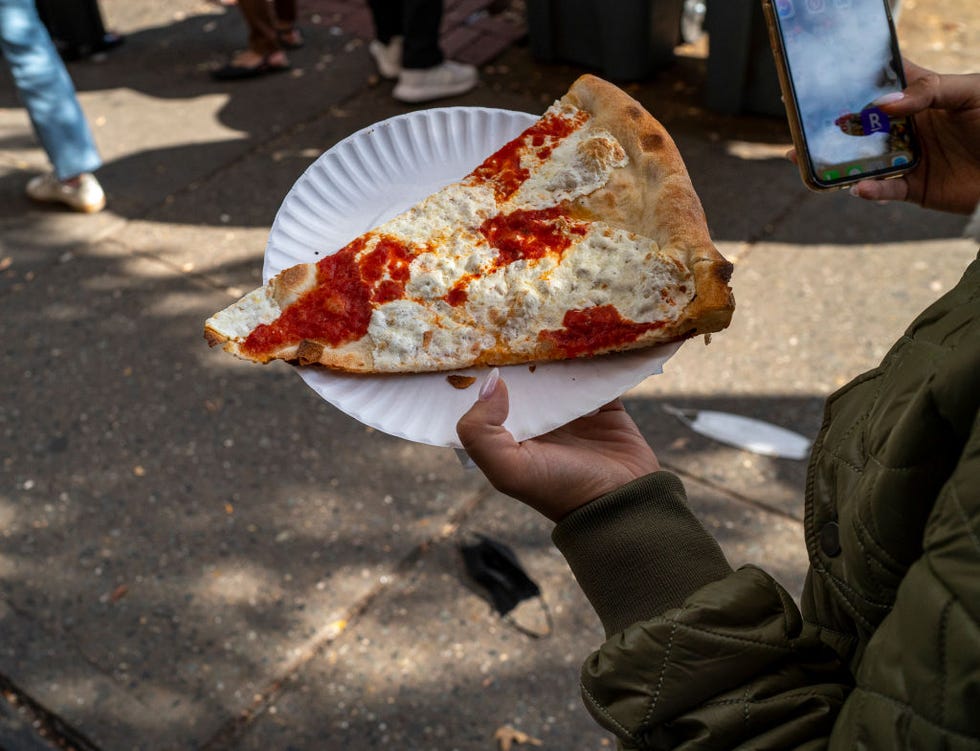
(745, 433)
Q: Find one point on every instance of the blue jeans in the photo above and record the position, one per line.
(46, 90)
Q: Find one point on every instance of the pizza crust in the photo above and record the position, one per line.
(653, 196)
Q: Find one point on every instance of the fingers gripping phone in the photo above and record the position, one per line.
(835, 59)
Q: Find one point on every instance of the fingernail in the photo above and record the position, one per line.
(895, 96)
(854, 191)
(489, 385)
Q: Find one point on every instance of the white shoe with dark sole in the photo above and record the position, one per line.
(446, 79)
(86, 196)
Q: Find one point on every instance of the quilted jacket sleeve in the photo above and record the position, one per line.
(918, 682)
(699, 657)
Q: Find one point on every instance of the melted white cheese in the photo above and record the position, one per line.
(239, 319)
(439, 217)
(407, 334)
(606, 267)
(578, 166)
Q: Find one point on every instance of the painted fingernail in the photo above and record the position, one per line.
(489, 385)
(895, 96)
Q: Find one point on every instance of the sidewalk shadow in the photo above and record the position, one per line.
(181, 485)
(171, 64)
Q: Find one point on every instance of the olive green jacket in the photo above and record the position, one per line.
(884, 652)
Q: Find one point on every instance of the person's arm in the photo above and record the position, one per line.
(697, 656)
(735, 666)
(639, 550)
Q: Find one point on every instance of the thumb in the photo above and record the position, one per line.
(481, 430)
(882, 190)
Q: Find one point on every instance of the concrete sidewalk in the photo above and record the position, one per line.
(198, 553)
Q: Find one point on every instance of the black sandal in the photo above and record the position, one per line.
(232, 72)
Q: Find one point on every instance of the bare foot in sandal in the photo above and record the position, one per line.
(289, 37)
(250, 64)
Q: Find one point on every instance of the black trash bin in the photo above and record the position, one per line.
(741, 76)
(624, 40)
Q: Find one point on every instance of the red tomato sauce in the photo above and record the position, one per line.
(595, 329)
(458, 295)
(393, 257)
(504, 169)
(531, 234)
(338, 310)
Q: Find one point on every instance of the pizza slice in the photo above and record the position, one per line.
(582, 236)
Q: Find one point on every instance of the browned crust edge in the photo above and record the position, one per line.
(654, 197)
(351, 358)
(212, 337)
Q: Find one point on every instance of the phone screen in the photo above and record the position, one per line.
(842, 56)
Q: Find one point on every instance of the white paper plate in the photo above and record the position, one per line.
(374, 175)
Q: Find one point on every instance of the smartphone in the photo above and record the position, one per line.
(835, 58)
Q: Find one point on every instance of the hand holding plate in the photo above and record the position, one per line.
(559, 471)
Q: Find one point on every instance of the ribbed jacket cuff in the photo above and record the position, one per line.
(639, 551)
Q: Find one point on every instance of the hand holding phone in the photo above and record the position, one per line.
(836, 59)
(947, 115)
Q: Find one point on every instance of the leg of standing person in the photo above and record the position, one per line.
(386, 47)
(407, 48)
(264, 54)
(47, 92)
(286, 31)
(76, 28)
(421, 20)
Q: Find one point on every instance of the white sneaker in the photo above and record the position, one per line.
(87, 196)
(387, 56)
(446, 79)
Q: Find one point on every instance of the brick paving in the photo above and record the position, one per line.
(473, 31)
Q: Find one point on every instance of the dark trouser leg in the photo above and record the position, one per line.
(416, 20)
(286, 11)
(75, 27)
(387, 15)
(261, 26)
(422, 19)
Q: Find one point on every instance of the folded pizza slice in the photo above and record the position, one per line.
(582, 236)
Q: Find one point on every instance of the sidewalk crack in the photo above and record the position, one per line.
(236, 726)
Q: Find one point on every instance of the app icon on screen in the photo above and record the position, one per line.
(899, 160)
(816, 6)
(831, 174)
(855, 170)
(873, 120)
(785, 8)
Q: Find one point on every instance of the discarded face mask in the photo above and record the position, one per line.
(495, 567)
